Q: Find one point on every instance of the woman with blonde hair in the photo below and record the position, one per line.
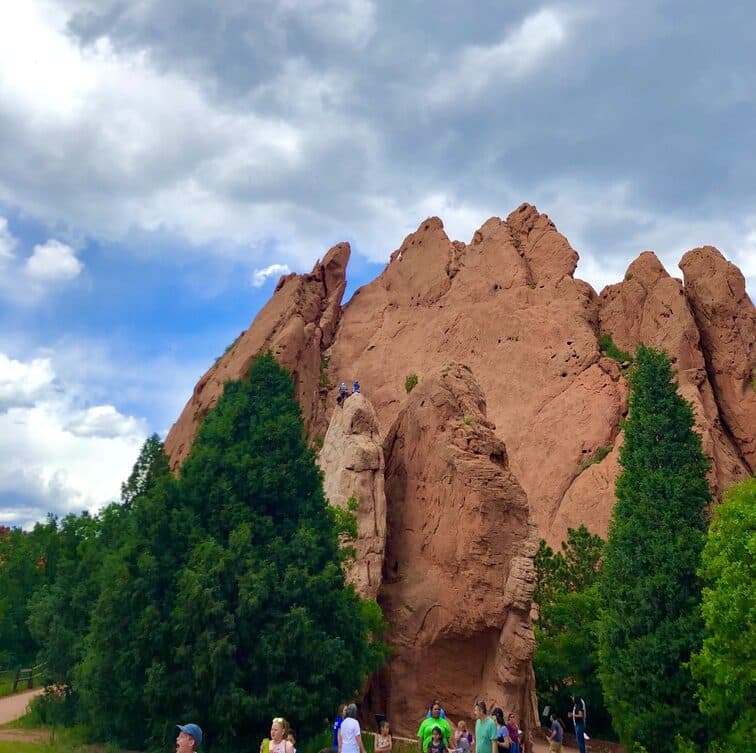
(279, 729)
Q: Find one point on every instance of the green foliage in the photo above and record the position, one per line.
(566, 656)
(353, 504)
(222, 584)
(411, 382)
(532, 285)
(151, 464)
(649, 620)
(609, 349)
(597, 457)
(324, 378)
(467, 421)
(725, 667)
(27, 563)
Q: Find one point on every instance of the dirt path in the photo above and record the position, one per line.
(14, 706)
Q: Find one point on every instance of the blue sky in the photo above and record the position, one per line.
(161, 161)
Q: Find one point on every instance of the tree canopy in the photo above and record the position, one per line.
(726, 664)
(649, 589)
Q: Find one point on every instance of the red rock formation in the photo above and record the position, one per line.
(459, 575)
(650, 307)
(297, 324)
(353, 469)
(508, 306)
(726, 319)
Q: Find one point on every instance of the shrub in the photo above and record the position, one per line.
(411, 382)
(609, 349)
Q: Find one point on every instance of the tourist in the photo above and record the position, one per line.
(343, 394)
(437, 744)
(337, 724)
(356, 387)
(425, 731)
(514, 733)
(383, 741)
(292, 738)
(279, 728)
(485, 730)
(189, 738)
(578, 715)
(556, 734)
(462, 738)
(502, 731)
(350, 735)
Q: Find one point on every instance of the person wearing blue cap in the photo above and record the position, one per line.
(189, 738)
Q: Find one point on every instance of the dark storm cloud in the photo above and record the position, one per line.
(392, 105)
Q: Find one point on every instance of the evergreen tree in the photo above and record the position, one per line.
(27, 563)
(128, 638)
(566, 655)
(649, 589)
(726, 665)
(263, 623)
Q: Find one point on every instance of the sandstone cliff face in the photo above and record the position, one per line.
(297, 324)
(651, 307)
(507, 306)
(459, 575)
(726, 319)
(353, 469)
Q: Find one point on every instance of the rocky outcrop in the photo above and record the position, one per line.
(651, 307)
(508, 307)
(458, 575)
(353, 479)
(297, 325)
(726, 319)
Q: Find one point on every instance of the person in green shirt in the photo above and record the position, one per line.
(425, 732)
(485, 730)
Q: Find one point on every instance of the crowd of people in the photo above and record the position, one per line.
(495, 732)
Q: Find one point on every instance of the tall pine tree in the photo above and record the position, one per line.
(649, 589)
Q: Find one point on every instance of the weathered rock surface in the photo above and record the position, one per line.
(726, 319)
(458, 575)
(353, 469)
(651, 307)
(297, 325)
(508, 306)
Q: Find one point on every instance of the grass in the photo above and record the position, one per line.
(609, 349)
(22, 736)
(411, 382)
(598, 456)
(324, 378)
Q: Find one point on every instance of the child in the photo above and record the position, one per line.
(292, 738)
(461, 738)
(437, 742)
(383, 741)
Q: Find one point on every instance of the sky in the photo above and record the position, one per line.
(162, 162)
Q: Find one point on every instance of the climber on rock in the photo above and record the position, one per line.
(343, 394)
(356, 388)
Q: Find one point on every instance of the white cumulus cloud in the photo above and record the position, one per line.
(23, 383)
(259, 276)
(53, 261)
(58, 454)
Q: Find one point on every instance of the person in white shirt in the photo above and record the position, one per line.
(350, 738)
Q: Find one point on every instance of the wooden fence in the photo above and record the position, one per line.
(22, 678)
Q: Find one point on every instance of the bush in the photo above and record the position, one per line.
(609, 349)
(411, 382)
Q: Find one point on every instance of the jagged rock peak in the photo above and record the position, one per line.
(726, 318)
(353, 468)
(297, 324)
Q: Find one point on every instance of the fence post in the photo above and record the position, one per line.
(16, 679)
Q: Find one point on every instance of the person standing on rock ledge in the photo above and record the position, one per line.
(343, 394)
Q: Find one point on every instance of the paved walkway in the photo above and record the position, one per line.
(14, 706)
